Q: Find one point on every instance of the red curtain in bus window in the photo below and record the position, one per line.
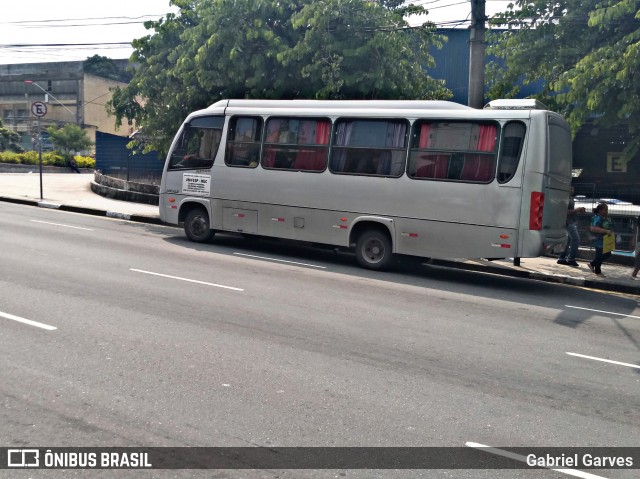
(424, 163)
(312, 132)
(269, 157)
(440, 166)
(273, 136)
(486, 142)
(323, 129)
(487, 138)
(424, 135)
(435, 166)
(322, 133)
(470, 168)
(485, 169)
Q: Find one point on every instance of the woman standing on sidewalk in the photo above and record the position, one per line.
(600, 226)
(636, 263)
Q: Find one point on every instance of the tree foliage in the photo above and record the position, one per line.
(106, 68)
(587, 54)
(68, 139)
(9, 140)
(274, 49)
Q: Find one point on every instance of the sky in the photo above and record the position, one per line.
(46, 30)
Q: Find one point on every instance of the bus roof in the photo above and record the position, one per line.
(343, 104)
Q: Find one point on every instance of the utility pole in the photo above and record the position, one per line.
(476, 54)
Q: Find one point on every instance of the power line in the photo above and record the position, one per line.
(27, 45)
(22, 22)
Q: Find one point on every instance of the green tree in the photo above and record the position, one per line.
(69, 139)
(217, 49)
(106, 68)
(587, 54)
(9, 140)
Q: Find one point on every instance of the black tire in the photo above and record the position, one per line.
(196, 226)
(374, 249)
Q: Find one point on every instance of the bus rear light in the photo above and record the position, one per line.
(344, 219)
(172, 200)
(536, 211)
(504, 236)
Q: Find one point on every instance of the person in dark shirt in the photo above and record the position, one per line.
(636, 264)
(568, 257)
(600, 226)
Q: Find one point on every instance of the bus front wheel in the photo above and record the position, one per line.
(196, 226)
(374, 250)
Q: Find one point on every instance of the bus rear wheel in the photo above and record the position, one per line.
(374, 250)
(197, 226)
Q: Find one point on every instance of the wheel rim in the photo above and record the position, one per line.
(373, 250)
(199, 226)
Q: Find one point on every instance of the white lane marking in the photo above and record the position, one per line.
(604, 360)
(519, 457)
(604, 312)
(186, 279)
(59, 224)
(280, 260)
(27, 321)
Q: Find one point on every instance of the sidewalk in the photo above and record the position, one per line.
(72, 192)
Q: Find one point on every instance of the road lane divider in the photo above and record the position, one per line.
(27, 321)
(280, 260)
(521, 458)
(603, 312)
(185, 279)
(60, 224)
(629, 365)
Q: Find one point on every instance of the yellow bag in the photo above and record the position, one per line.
(608, 243)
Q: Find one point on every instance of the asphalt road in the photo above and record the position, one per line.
(162, 342)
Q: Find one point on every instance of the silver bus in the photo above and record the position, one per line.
(432, 179)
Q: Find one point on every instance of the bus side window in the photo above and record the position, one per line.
(510, 150)
(455, 151)
(196, 149)
(369, 147)
(296, 144)
(243, 141)
(198, 144)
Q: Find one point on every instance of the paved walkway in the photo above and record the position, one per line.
(72, 192)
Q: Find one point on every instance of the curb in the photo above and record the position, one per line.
(83, 210)
(536, 275)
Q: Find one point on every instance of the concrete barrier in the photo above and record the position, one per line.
(123, 190)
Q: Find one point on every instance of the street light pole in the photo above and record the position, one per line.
(31, 82)
(40, 157)
(476, 54)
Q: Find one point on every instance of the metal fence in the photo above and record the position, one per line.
(624, 212)
(114, 159)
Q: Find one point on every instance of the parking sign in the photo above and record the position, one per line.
(39, 108)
